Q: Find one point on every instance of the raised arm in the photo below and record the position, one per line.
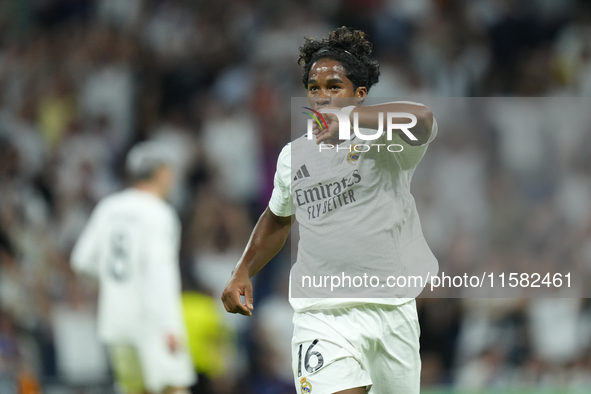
(267, 239)
(368, 118)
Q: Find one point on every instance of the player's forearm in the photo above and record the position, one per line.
(368, 117)
(266, 240)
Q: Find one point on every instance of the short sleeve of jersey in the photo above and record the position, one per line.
(85, 251)
(411, 155)
(280, 203)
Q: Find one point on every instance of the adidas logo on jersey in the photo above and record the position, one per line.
(302, 173)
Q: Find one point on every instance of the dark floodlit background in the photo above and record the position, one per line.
(82, 81)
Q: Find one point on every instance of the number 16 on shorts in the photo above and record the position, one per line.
(312, 361)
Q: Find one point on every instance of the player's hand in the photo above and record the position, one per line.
(172, 343)
(239, 285)
(330, 135)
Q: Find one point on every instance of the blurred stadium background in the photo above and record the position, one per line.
(82, 80)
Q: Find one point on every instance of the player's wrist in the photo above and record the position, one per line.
(241, 272)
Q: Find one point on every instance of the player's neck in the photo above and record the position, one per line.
(150, 188)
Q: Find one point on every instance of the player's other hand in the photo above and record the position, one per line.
(239, 285)
(172, 343)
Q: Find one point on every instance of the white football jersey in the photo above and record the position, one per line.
(356, 217)
(131, 244)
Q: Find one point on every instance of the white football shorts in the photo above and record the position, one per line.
(369, 345)
(164, 369)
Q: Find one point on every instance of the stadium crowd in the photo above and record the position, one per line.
(81, 81)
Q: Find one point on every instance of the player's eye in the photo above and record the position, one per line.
(335, 87)
(312, 88)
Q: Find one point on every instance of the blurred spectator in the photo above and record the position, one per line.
(237, 163)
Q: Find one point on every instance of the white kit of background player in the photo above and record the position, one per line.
(131, 244)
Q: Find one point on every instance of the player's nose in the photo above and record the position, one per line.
(323, 99)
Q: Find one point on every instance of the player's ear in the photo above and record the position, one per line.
(360, 94)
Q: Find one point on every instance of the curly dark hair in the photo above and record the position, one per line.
(347, 46)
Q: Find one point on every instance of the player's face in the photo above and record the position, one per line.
(328, 85)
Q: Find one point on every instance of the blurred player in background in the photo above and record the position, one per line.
(346, 345)
(131, 245)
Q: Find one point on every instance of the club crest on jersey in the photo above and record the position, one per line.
(306, 386)
(353, 156)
